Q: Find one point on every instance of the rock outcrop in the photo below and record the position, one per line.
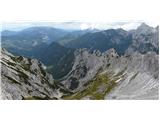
(25, 78)
(110, 76)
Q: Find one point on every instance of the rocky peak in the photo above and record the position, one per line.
(145, 38)
(145, 29)
(157, 28)
(111, 53)
(143, 25)
(80, 51)
(97, 53)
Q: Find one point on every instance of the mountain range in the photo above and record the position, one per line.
(143, 39)
(50, 63)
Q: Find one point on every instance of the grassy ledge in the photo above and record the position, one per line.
(92, 89)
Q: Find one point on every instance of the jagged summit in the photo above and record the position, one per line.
(144, 25)
(116, 77)
(111, 52)
(144, 29)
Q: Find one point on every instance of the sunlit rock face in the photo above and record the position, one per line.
(110, 76)
(24, 78)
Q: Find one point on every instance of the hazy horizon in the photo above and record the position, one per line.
(17, 26)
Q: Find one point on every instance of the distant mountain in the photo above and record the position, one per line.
(8, 33)
(74, 35)
(143, 39)
(103, 40)
(43, 34)
(27, 39)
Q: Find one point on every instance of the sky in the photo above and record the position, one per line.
(74, 25)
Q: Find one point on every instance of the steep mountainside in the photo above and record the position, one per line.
(58, 59)
(33, 34)
(74, 35)
(25, 78)
(109, 76)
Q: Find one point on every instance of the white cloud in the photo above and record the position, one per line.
(98, 25)
(84, 26)
(77, 25)
(128, 26)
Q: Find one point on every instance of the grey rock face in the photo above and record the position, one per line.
(145, 39)
(140, 78)
(85, 67)
(24, 78)
(134, 76)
